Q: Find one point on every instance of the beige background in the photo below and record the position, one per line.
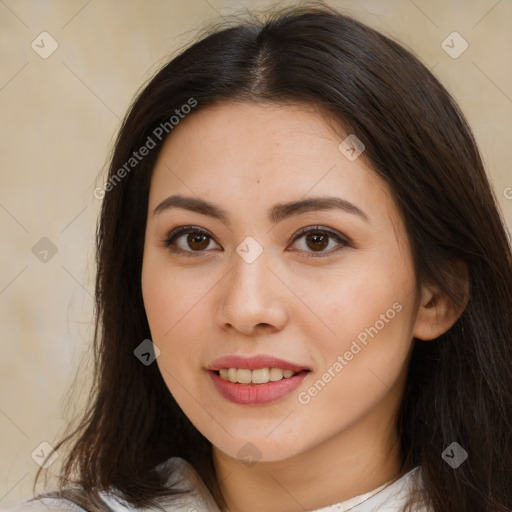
(59, 115)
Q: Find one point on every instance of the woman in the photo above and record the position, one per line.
(303, 291)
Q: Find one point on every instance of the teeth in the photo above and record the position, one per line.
(259, 376)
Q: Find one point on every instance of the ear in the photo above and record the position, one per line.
(437, 312)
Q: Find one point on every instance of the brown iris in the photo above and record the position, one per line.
(197, 241)
(318, 241)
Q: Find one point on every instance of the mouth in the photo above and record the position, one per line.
(255, 380)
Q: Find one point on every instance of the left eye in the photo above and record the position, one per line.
(199, 240)
(318, 240)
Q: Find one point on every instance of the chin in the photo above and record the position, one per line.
(252, 448)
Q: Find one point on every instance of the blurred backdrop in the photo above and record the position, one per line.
(69, 70)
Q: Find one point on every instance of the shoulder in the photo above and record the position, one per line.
(180, 475)
(42, 505)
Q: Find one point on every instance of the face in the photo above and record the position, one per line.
(327, 288)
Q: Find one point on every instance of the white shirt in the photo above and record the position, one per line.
(386, 498)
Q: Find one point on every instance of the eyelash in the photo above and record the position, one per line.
(173, 235)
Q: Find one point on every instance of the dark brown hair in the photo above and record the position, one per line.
(459, 385)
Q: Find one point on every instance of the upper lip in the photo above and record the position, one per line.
(254, 363)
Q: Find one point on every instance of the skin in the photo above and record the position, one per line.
(246, 157)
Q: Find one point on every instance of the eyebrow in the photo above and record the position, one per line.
(276, 214)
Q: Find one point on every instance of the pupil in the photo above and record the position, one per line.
(319, 241)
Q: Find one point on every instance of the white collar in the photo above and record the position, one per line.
(386, 498)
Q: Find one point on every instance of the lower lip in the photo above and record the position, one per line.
(256, 394)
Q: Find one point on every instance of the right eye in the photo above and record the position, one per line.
(198, 240)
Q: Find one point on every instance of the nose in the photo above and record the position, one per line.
(253, 297)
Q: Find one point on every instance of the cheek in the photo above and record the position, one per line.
(171, 297)
(172, 333)
(176, 311)
(372, 315)
(358, 379)
(358, 301)
(370, 303)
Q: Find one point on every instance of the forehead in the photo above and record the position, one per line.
(241, 130)
(250, 154)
